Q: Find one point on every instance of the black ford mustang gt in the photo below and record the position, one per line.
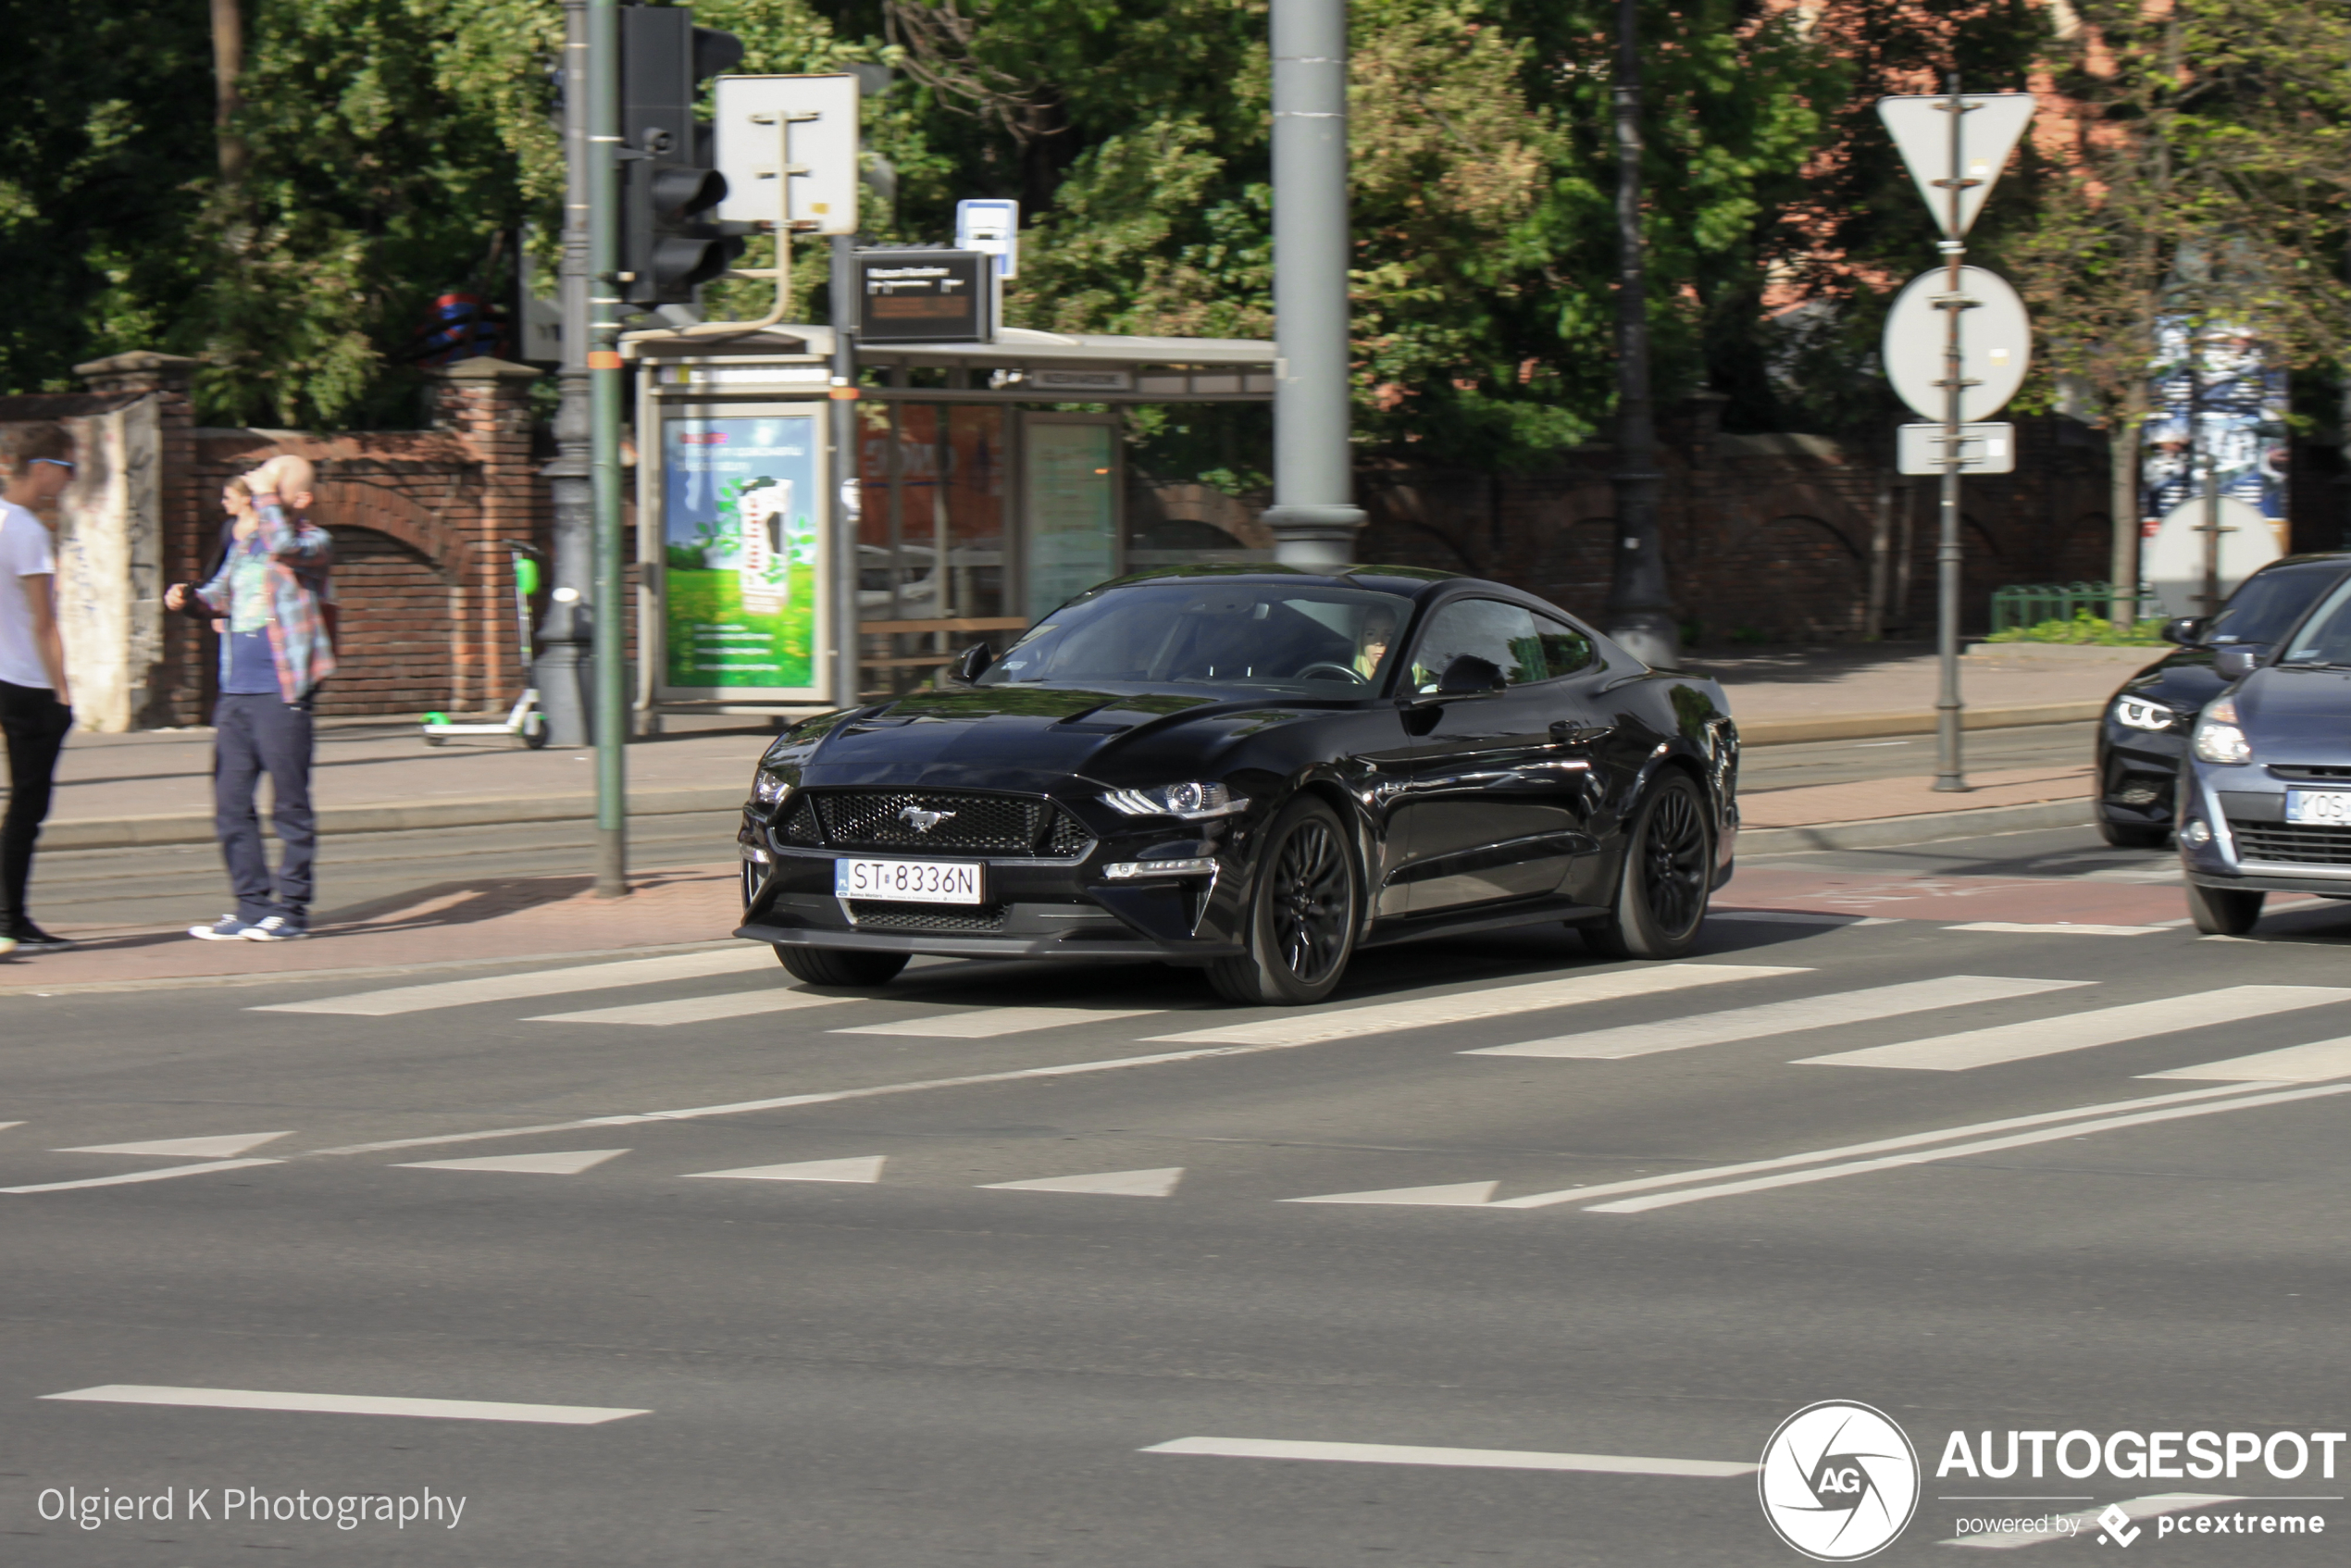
(1258, 771)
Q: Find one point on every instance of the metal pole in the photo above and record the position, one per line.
(2209, 470)
(560, 672)
(605, 384)
(1639, 612)
(848, 472)
(1314, 517)
(1948, 774)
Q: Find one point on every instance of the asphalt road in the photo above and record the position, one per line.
(1010, 1266)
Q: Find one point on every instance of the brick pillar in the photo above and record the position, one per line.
(181, 683)
(485, 404)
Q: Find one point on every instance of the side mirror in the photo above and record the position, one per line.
(973, 663)
(2187, 631)
(1469, 676)
(2236, 663)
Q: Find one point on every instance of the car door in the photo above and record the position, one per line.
(1497, 801)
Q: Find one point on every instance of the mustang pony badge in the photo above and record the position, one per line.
(923, 821)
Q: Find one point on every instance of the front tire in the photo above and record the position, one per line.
(1669, 861)
(1302, 914)
(831, 967)
(2224, 912)
(2132, 836)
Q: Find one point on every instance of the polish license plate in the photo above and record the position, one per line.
(2332, 807)
(908, 881)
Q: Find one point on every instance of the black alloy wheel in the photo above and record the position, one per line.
(1303, 913)
(834, 966)
(1669, 867)
(2224, 912)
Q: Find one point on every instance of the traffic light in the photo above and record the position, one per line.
(667, 180)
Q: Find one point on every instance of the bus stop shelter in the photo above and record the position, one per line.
(988, 485)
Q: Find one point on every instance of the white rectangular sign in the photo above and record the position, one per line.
(1984, 449)
(992, 228)
(758, 118)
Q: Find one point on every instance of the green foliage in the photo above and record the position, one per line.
(2085, 627)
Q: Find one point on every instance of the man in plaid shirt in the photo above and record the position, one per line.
(272, 590)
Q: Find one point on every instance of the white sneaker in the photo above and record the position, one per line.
(228, 928)
(275, 928)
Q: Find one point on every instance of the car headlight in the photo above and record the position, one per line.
(2138, 713)
(767, 789)
(2217, 738)
(1190, 802)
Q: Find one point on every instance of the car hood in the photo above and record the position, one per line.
(2298, 715)
(1024, 738)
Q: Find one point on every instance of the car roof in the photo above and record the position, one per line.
(1405, 583)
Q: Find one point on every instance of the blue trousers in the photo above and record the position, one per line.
(256, 735)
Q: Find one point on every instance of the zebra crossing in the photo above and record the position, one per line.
(1769, 1005)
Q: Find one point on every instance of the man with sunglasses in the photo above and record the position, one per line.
(36, 705)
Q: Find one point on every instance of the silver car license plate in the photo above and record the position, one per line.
(909, 881)
(2329, 807)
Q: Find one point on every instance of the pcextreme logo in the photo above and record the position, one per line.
(1839, 1482)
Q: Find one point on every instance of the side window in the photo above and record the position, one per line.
(1501, 633)
(1565, 649)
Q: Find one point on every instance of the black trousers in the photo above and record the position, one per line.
(36, 724)
(254, 735)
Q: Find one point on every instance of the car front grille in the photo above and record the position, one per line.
(2296, 843)
(2310, 771)
(959, 821)
(872, 914)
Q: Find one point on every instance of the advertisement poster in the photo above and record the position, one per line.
(742, 518)
(2217, 394)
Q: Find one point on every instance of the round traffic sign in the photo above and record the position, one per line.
(1995, 343)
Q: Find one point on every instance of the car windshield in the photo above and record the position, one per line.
(2265, 609)
(1318, 642)
(2325, 638)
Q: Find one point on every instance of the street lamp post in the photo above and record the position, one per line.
(559, 670)
(1314, 517)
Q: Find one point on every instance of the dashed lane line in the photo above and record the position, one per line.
(346, 1404)
(2080, 1031)
(168, 1172)
(2315, 1063)
(400, 1000)
(700, 1009)
(988, 1023)
(1471, 1458)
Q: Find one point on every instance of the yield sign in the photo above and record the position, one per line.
(1989, 124)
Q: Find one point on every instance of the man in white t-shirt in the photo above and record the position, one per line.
(36, 706)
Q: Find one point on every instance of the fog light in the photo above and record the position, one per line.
(2196, 833)
(1127, 869)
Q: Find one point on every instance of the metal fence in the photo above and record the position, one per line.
(2031, 604)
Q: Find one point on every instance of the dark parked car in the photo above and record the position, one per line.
(2144, 733)
(1257, 771)
(2266, 800)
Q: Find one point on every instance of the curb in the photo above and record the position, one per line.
(1885, 832)
(1870, 726)
(133, 832)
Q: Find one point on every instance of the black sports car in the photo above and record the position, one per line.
(2145, 730)
(1255, 770)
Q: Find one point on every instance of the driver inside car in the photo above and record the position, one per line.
(1371, 639)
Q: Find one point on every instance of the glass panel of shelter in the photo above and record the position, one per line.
(932, 547)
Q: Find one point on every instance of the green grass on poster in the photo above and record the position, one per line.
(705, 600)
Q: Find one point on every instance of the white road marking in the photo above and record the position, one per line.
(1461, 1194)
(1777, 1019)
(990, 1023)
(227, 1147)
(1907, 1140)
(534, 983)
(1959, 1151)
(2055, 928)
(567, 1162)
(1299, 1027)
(2085, 1520)
(2079, 1031)
(346, 1404)
(700, 1009)
(1474, 1458)
(1784, 917)
(1113, 1184)
(168, 1173)
(2315, 1063)
(6, 1126)
(864, 1168)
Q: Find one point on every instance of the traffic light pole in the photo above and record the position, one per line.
(846, 472)
(604, 386)
(560, 669)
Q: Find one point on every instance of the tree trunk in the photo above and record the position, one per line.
(228, 64)
(2122, 503)
(1639, 614)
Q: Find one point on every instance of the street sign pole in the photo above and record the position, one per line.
(605, 394)
(1949, 773)
(848, 473)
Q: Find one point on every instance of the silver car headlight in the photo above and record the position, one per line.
(2138, 713)
(1190, 802)
(768, 788)
(2217, 738)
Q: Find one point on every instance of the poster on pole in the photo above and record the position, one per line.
(743, 554)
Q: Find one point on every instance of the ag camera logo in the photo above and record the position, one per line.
(1839, 1481)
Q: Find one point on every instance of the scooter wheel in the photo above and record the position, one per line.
(534, 732)
(436, 740)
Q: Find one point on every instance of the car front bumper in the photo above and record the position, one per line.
(2252, 846)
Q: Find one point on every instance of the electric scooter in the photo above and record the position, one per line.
(523, 720)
